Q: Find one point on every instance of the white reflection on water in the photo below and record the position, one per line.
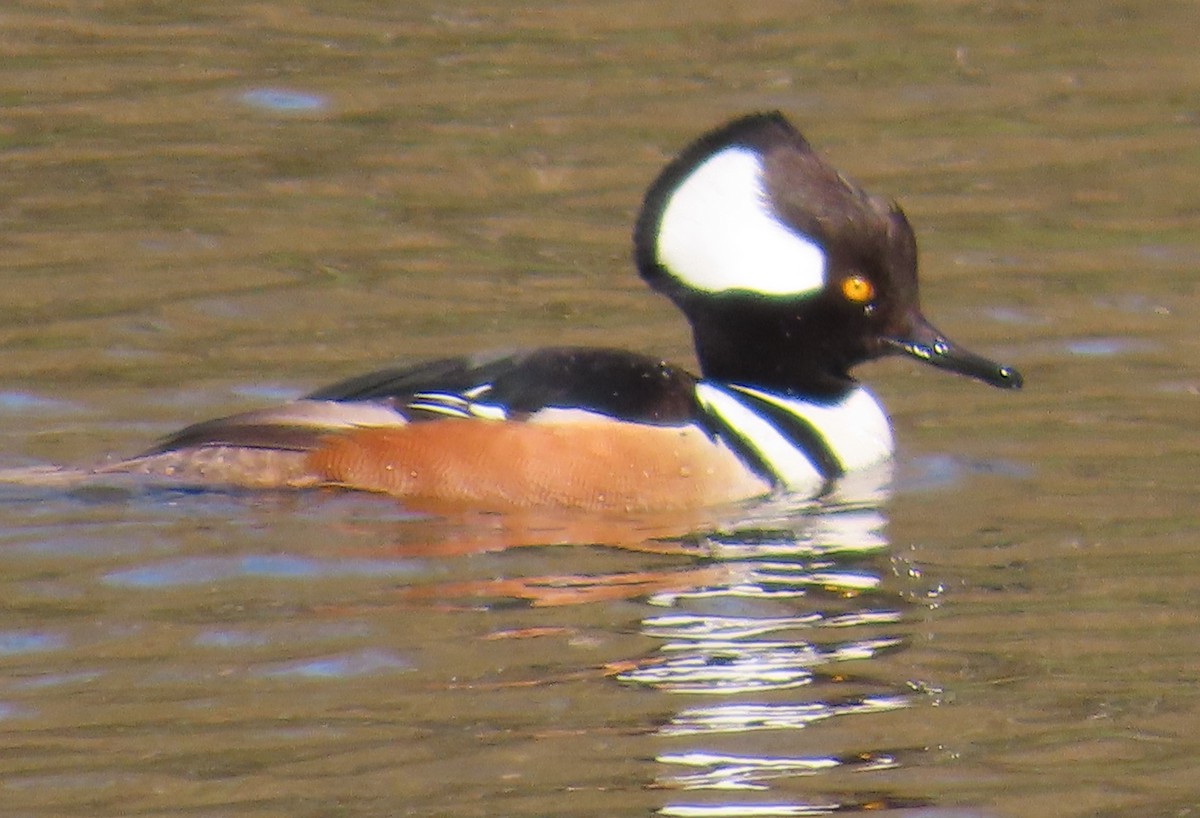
(798, 599)
(743, 717)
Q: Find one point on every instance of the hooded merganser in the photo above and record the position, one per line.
(789, 274)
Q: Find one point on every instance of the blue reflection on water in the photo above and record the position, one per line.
(13, 711)
(17, 401)
(937, 472)
(56, 680)
(275, 99)
(17, 642)
(237, 638)
(339, 666)
(197, 570)
(1106, 347)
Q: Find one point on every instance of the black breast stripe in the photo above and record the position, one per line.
(717, 426)
(801, 432)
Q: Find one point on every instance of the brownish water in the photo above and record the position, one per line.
(211, 206)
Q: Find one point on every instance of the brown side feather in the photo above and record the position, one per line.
(588, 464)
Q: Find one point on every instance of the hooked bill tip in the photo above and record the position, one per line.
(942, 354)
(1009, 378)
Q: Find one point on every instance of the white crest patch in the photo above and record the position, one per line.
(717, 233)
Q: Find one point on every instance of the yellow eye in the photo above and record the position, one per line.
(857, 289)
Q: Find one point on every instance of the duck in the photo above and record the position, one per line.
(789, 274)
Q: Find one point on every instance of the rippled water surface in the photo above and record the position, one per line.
(209, 206)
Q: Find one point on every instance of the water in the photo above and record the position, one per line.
(210, 207)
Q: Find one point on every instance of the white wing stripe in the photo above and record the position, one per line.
(457, 406)
(488, 411)
(440, 408)
(475, 391)
(442, 398)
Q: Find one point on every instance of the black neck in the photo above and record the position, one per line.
(772, 347)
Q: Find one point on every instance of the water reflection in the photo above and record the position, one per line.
(278, 100)
(756, 631)
(768, 643)
(763, 623)
(764, 626)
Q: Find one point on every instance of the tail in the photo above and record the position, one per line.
(203, 467)
(58, 477)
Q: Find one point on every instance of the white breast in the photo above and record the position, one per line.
(855, 430)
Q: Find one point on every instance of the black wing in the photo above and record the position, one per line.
(620, 384)
(615, 383)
